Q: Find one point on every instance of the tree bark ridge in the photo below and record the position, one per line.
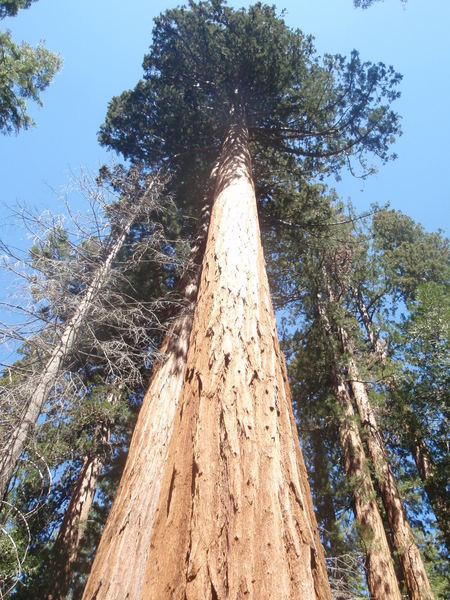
(119, 566)
(234, 517)
(380, 574)
(408, 554)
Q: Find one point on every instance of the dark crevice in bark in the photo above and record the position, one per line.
(172, 484)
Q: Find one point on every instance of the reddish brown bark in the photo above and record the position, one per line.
(234, 517)
(419, 449)
(406, 549)
(75, 519)
(380, 573)
(381, 578)
(119, 566)
(74, 523)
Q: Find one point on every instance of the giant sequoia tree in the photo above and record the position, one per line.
(233, 514)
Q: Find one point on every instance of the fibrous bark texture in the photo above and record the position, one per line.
(437, 495)
(75, 519)
(234, 518)
(119, 566)
(74, 524)
(380, 574)
(408, 554)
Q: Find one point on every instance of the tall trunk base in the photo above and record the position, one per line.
(234, 518)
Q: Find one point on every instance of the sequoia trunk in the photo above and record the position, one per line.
(380, 574)
(406, 549)
(234, 516)
(119, 566)
(74, 523)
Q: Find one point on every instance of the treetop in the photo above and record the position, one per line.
(208, 63)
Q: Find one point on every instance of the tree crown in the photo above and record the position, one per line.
(10, 8)
(209, 65)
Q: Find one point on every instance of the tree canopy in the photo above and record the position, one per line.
(10, 8)
(367, 3)
(209, 64)
(24, 73)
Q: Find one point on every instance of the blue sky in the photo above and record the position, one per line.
(103, 42)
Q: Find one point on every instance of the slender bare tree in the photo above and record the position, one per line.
(91, 306)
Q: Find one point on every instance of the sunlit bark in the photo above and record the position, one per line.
(424, 461)
(234, 515)
(119, 566)
(406, 549)
(380, 574)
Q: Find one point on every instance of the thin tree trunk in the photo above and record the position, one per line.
(380, 573)
(119, 566)
(406, 549)
(323, 498)
(419, 449)
(337, 572)
(74, 523)
(16, 444)
(376, 343)
(234, 517)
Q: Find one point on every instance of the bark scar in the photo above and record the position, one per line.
(172, 485)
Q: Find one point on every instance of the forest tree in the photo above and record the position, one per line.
(241, 85)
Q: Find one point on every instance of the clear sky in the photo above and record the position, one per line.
(102, 43)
